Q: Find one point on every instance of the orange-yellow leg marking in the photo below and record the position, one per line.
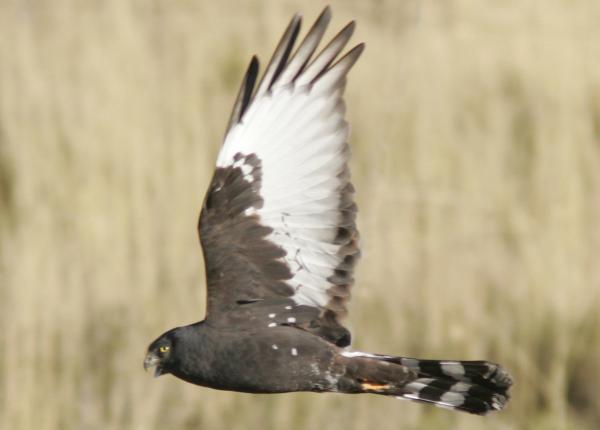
(374, 387)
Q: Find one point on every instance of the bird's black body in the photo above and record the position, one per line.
(280, 244)
(252, 360)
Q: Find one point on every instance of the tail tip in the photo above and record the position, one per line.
(501, 377)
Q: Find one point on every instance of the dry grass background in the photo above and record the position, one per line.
(476, 137)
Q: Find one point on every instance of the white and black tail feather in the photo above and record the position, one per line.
(477, 387)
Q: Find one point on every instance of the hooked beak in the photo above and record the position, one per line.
(152, 360)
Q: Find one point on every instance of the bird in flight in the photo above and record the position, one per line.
(278, 232)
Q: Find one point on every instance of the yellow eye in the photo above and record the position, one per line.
(163, 349)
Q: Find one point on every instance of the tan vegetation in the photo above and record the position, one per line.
(476, 138)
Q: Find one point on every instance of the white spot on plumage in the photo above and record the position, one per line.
(496, 403)
(291, 320)
(331, 379)
(272, 324)
(271, 315)
(417, 385)
(274, 346)
(452, 399)
(460, 387)
(294, 351)
(288, 307)
(453, 368)
(246, 170)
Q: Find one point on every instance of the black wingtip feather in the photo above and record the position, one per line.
(280, 55)
(244, 94)
(252, 74)
(307, 48)
(287, 52)
(353, 55)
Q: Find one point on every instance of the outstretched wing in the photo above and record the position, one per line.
(278, 222)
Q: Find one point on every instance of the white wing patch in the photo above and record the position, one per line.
(300, 137)
(288, 137)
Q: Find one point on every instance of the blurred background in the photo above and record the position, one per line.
(476, 142)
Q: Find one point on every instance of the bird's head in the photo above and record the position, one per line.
(160, 354)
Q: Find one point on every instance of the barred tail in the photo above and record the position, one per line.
(476, 387)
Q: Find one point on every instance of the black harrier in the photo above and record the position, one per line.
(280, 245)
